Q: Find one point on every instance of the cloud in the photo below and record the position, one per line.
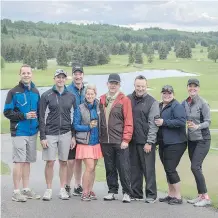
(179, 14)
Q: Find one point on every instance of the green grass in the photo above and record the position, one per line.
(5, 124)
(5, 170)
(214, 137)
(188, 187)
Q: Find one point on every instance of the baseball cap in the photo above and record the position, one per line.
(77, 68)
(193, 81)
(60, 71)
(114, 77)
(167, 88)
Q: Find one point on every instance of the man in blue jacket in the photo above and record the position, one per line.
(75, 166)
(21, 108)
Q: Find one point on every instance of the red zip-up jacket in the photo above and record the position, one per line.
(120, 122)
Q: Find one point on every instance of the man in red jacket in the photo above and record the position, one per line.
(115, 135)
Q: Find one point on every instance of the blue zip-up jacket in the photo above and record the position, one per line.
(79, 94)
(21, 100)
(173, 130)
(81, 123)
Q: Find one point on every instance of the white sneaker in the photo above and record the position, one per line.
(110, 197)
(195, 200)
(126, 198)
(203, 202)
(63, 194)
(47, 195)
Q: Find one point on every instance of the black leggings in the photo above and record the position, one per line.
(198, 150)
(170, 156)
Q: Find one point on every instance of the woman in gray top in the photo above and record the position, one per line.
(199, 139)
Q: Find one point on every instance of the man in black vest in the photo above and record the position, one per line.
(142, 147)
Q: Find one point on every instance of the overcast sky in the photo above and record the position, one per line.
(175, 14)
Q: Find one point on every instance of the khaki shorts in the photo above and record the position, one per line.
(57, 142)
(24, 148)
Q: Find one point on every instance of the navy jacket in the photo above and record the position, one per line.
(21, 100)
(173, 130)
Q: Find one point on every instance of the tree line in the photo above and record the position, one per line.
(92, 44)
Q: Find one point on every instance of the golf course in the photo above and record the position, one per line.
(206, 71)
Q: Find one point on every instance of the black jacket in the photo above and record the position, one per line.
(60, 109)
(144, 109)
(173, 130)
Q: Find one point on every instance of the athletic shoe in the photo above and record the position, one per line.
(203, 202)
(78, 191)
(136, 199)
(92, 196)
(126, 198)
(150, 200)
(30, 194)
(63, 195)
(68, 190)
(193, 201)
(110, 197)
(85, 197)
(47, 195)
(18, 197)
(166, 199)
(174, 201)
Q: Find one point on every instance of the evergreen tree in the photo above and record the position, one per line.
(41, 58)
(4, 30)
(129, 46)
(150, 54)
(156, 45)
(2, 62)
(184, 51)
(22, 51)
(123, 49)
(144, 48)
(131, 56)
(62, 58)
(138, 57)
(163, 52)
(103, 56)
(92, 57)
(115, 49)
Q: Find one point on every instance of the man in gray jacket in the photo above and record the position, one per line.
(56, 132)
(143, 145)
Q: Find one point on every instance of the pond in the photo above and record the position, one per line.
(127, 81)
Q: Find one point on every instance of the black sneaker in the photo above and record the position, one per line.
(68, 190)
(174, 201)
(78, 191)
(166, 199)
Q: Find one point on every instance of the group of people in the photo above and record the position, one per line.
(125, 130)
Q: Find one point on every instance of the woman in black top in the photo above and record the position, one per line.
(172, 141)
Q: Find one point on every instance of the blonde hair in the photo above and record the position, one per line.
(25, 65)
(92, 87)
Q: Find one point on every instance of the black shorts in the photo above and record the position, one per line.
(72, 154)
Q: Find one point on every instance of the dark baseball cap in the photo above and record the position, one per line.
(60, 71)
(193, 81)
(77, 68)
(167, 88)
(114, 77)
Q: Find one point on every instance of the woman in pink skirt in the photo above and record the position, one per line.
(86, 125)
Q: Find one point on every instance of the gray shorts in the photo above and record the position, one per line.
(57, 142)
(24, 148)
